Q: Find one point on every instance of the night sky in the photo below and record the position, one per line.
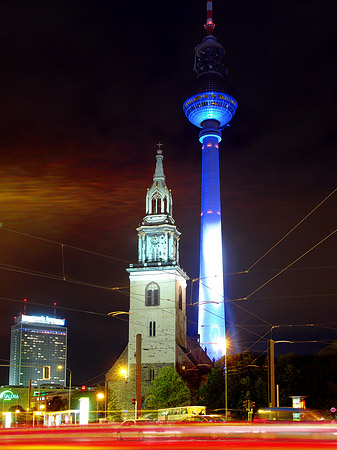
(87, 91)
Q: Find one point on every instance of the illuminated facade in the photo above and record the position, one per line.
(157, 304)
(210, 106)
(157, 283)
(38, 347)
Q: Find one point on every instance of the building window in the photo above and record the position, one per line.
(180, 300)
(152, 329)
(152, 295)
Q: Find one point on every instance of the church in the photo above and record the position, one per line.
(157, 306)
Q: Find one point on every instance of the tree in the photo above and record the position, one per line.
(168, 390)
(313, 376)
(212, 393)
(57, 403)
(246, 381)
(288, 370)
(114, 414)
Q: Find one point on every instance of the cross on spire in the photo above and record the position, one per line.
(159, 145)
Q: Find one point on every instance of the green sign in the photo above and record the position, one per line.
(8, 395)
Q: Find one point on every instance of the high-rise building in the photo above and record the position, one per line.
(210, 106)
(38, 351)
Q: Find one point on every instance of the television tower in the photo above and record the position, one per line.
(210, 106)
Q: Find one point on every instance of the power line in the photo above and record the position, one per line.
(37, 273)
(63, 245)
(291, 264)
(289, 232)
(294, 296)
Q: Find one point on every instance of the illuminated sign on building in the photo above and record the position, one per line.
(45, 320)
(8, 395)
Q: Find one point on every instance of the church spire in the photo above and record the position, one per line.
(158, 237)
(159, 172)
(158, 198)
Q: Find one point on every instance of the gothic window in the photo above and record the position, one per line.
(151, 373)
(156, 203)
(180, 299)
(152, 329)
(165, 205)
(152, 295)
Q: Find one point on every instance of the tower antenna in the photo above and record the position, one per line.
(209, 25)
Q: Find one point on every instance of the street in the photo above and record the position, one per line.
(189, 437)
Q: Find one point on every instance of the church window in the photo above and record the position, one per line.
(151, 373)
(152, 329)
(154, 206)
(152, 295)
(156, 203)
(180, 299)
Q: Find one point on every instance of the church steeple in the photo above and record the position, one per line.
(158, 198)
(158, 237)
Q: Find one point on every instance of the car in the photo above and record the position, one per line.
(211, 418)
(146, 429)
(131, 422)
(287, 414)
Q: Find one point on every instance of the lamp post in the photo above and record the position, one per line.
(70, 376)
(226, 382)
(271, 371)
(99, 396)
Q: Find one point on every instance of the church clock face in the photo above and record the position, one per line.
(155, 240)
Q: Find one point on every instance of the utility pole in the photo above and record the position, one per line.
(271, 372)
(138, 374)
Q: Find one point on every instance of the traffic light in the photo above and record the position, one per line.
(133, 401)
(83, 388)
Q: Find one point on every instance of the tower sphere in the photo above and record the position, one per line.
(209, 96)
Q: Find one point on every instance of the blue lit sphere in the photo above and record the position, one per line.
(209, 99)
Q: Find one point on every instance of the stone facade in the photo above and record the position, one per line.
(157, 306)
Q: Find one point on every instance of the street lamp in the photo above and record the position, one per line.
(70, 375)
(118, 313)
(271, 369)
(226, 381)
(99, 396)
(222, 344)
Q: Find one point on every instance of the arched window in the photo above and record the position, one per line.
(180, 299)
(152, 294)
(152, 329)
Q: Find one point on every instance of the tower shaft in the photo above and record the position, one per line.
(211, 320)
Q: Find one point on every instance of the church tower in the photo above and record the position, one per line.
(157, 314)
(157, 282)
